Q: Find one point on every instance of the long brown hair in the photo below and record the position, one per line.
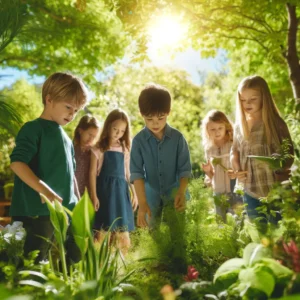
(114, 115)
(217, 117)
(270, 113)
(85, 123)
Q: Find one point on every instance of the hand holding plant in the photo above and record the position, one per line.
(218, 162)
(277, 161)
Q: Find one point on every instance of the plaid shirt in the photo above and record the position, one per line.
(260, 177)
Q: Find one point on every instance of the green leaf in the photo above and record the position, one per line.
(59, 219)
(82, 222)
(273, 162)
(281, 273)
(228, 271)
(255, 252)
(258, 278)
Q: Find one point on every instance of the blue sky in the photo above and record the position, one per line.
(190, 60)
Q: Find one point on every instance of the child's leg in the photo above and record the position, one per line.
(123, 241)
(99, 236)
(37, 230)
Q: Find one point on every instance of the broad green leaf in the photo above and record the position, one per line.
(258, 278)
(228, 272)
(59, 219)
(82, 222)
(280, 272)
(273, 162)
(255, 252)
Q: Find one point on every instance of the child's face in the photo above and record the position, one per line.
(156, 123)
(251, 101)
(88, 136)
(117, 130)
(62, 112)
(216, 131)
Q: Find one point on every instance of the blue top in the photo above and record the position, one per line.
(161, 163)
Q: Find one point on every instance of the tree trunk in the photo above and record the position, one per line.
(292, 56)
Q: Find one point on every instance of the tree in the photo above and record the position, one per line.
(264, 30)
(123, 87)
(81, 36)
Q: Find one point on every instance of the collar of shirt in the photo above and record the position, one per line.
(167, 133)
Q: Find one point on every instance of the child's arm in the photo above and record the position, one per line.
(235, 162)
(208, 170)
(184, 172)
(138, 179)
(179, 201)
(76, 189)
(23, 171)
(144, 209)
(134, 200)
(92, 180)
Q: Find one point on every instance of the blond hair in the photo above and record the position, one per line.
(217, 117)
(85, 123)
(270, 114)
(65, 87)
(114, 115)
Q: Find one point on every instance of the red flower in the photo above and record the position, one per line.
(192, 274)
(293, 251)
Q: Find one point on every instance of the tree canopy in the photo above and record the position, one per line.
(80, 36)
(263, 31)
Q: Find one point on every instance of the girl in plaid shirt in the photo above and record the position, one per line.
(259, 130)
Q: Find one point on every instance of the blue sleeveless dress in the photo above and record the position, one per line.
(113, 193)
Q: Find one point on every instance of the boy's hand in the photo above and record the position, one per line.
(179, 202)
(142, 212)
(50, 194)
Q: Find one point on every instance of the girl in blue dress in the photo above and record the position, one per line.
(109, 180)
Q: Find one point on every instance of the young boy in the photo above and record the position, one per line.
(43, 161)
(160, 159)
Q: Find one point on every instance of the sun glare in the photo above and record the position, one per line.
(166, 32)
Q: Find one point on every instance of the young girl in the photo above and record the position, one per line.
(109, 179)
(85, 135)
(217, 134)
(259, 131)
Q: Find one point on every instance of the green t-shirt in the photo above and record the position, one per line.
(45, 147)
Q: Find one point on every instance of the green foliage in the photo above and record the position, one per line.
(256, 274)
(208, 244)
(18, 104)
(254, 34)
(82, 224)
(13, 15)
(85, 32)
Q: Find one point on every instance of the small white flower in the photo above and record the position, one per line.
(19, 235)
(17, 224)
(7, 237)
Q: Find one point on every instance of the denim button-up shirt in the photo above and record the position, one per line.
(161, 163)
